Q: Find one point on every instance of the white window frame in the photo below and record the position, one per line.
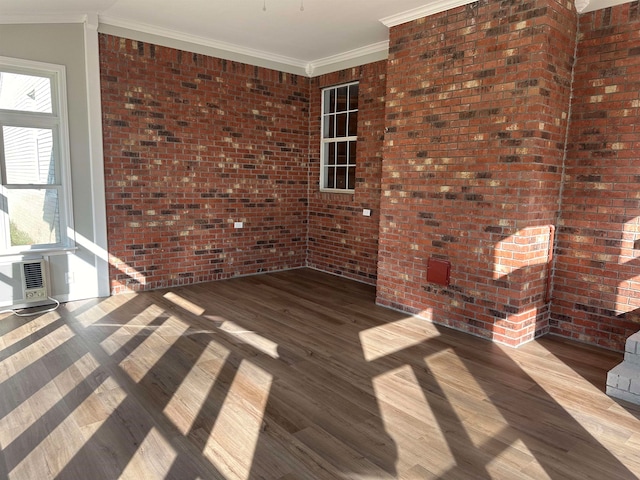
(324, 142)
(57, 121)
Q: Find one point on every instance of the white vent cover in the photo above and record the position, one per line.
(34, 281)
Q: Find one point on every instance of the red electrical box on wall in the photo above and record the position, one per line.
(438, 271)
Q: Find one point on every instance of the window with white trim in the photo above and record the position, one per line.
(35, 200)
(339, 138)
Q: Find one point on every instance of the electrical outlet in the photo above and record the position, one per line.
(366, 212)
(238, 225)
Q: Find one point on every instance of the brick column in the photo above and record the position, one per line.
(477, 105)
(597, 282)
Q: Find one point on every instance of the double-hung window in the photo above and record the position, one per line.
(339, 138)
(35, 203)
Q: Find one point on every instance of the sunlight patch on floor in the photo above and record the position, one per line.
(191, 395)
(27, 413)
(86, 368)
(251, 338)
(155, 452)
(401, 400)
(57, 448)
(239, 422)
(61, 445)
(29, 328)
(145, 356)
(155, 331)
(634, 441)
(184, 303)
(103, 309)
(42, 401)
(464, 384)
(33, 352)
(573, 403)
(383, 340)
(123, 331)
(513, 461)
(100, 406)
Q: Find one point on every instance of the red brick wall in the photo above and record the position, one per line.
(477, 104)
(192, 144)
(597, 279)
(341, 239)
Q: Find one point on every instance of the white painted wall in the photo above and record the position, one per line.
(74, 45)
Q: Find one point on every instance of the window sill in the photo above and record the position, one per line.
(17, 255)
(335, 190)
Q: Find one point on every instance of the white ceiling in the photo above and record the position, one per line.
(326, 35)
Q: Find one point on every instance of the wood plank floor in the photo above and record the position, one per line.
(296, 375)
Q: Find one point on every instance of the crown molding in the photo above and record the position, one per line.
(351, 58)
(175, 39)
(224, 50)
(206, 46)
(424, 11)
(171, 38)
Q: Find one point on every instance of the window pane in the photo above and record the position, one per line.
(353, 124)
(330, 153)
(27, 93)
(34, 216)
(341, 99)
(342, 153)
(330, 101)
(29, 157)
(341, 125)
(341, 177)
(326, 99)
(339, 120)
(331, 177)
(352, 153)
(329, 126)
(353, 97)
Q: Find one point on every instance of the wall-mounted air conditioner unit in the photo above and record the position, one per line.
(24, 284)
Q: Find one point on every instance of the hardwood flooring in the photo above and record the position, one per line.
(296, 375)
